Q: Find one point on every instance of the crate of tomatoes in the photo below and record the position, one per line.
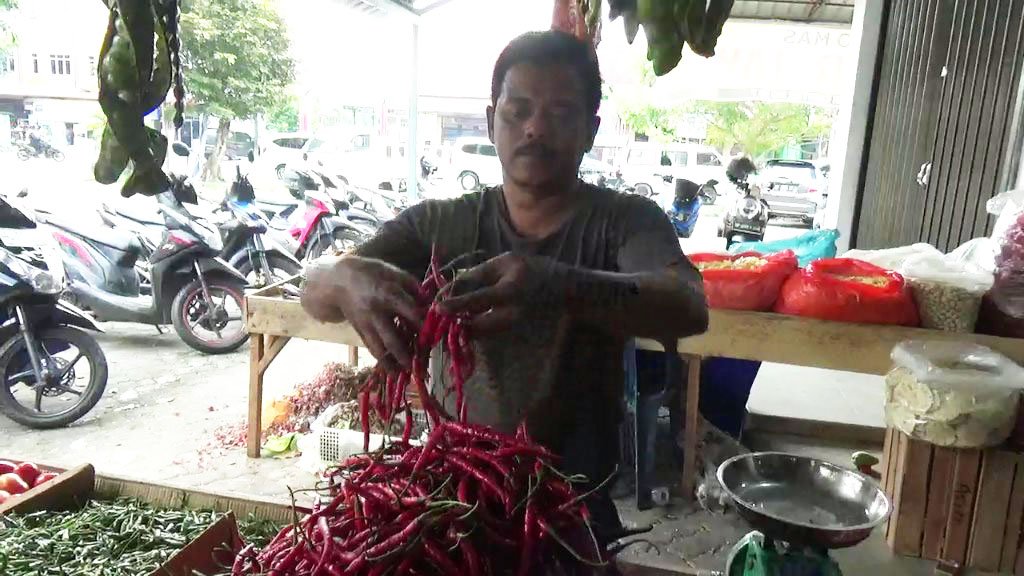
(746, 281)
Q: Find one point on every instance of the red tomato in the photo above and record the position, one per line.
(28, 472)
(7, 466)
(44, 477)
(12, 483)
(4, 496)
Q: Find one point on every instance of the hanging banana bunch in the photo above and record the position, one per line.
(138, 62)
(671, 24)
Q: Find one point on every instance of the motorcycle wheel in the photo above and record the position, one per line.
(280, 269)
(23, 154)
(57, 155)
(14, 373)
(344, 240)
(204, 330)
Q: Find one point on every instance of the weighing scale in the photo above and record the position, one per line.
(800, 509)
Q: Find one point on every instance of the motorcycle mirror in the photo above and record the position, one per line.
(180, 149)
(23, 193)
(251, 157)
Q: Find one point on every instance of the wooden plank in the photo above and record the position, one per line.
(990, 510)
(965, 485)
(913, 497)
(253, 425)
(353, 356)
(900, 443)
(274, 347)
(282, 317)
(889, 459)
(691, 428)
(732, 334)
(940, 484)
(863, 348)
(1014, 517)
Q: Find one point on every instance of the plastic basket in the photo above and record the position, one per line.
(336, 444)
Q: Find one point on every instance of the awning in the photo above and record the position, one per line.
(817, 11)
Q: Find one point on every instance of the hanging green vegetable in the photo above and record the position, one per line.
(138, 62)
(671, 24)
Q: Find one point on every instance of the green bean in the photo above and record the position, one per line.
(107, 538)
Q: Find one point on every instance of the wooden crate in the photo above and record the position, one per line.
(960, 505)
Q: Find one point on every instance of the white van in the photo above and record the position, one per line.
(651, 169)
(475, 163)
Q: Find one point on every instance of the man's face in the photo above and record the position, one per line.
(541, 126)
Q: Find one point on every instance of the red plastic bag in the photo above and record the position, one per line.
(828, 290)
(744, 288)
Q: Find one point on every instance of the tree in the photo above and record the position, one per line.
(285, 116)
(760, 128)
(7, 38)
(235, 56)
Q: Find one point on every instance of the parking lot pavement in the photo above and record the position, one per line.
(163, 404)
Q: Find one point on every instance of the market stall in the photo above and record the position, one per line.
(273, 319)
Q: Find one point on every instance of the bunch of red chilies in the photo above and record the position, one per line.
(469, 501)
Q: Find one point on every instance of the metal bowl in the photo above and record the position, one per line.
(804, 501)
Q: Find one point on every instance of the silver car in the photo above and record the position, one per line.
(793, 189)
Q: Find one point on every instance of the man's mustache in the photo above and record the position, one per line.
(535, 149)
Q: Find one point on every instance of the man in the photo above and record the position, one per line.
(569, 271)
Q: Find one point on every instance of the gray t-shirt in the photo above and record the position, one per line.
(565, 378)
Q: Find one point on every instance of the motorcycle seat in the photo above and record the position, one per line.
(119, 240)
(139, 214)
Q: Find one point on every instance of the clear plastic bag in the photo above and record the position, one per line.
(893, 258)
(947, 291)
(952, 393)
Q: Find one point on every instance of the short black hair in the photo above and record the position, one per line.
(551, 47)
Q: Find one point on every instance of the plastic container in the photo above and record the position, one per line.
(948, 292)
(953, 394)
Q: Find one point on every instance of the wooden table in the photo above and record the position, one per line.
(273, 320)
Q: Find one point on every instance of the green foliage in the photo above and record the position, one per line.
(7, 38)
(656, 123)
(235, 54)
(760, 128)
(284, 117)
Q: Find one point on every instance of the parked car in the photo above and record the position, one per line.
(793, 189)
(358, 159)
(475, 163)
(280, 149)
(596, 171)
(652, 169)
(238, 147)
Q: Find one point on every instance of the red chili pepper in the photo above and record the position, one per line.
(471, 558)
(328, 543)
(481, 477)
(440, 559)
(529, 541)
(364, 415)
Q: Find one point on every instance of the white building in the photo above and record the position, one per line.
(48, 79)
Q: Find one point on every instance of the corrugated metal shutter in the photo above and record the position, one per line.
(947, 86)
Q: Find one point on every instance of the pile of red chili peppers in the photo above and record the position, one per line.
(469, 501)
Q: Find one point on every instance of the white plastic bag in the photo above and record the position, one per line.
(893, 258)
(978, 252)
(948, 291)
(952, 393)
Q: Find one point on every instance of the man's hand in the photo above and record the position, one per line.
(370, 295)
(497, 292)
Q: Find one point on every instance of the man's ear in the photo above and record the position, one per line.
(490, 123)
(595, 124)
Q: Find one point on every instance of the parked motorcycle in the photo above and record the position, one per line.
(27, 151)
(53, 371)
(747, 219)
(248, 246)
(193, 289)
(322, 220)
(685, 207)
